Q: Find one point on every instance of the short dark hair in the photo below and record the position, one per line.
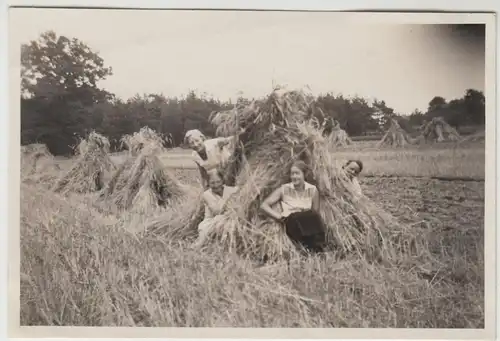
(360, 164)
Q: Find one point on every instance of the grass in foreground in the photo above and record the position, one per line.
(80, 270)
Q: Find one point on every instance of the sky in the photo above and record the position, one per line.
(225, 54)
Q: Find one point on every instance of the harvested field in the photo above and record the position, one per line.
(82, 267)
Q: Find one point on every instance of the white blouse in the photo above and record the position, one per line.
(219, 151)
(293, 200)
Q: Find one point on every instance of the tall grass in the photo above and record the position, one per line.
(80, 271)
(84, 268)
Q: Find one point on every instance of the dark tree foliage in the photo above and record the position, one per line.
(61, 101)
(59, 79)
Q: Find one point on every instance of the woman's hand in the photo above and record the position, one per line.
(280, 218)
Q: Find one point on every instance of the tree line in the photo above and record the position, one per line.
(61, 102)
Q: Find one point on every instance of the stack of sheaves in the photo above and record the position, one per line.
(279, 130)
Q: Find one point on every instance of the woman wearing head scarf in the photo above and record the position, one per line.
(210, 154)
(214, 201)
(299, 202)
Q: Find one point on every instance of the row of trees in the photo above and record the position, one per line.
(61, 101)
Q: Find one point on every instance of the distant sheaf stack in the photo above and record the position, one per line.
(338, 136)
(438, 130)
(38, 164)
(395, 136)
(92, 168)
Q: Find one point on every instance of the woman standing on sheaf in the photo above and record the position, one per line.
(299, 201)
(211, 154)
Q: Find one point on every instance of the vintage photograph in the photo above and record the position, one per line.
(189, 168)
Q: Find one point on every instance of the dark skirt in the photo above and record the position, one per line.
(306, 229)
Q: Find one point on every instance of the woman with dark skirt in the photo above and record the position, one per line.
(299, 201)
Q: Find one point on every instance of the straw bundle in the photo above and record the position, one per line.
(93, 165)
(353, 224)
(145, 137)
(395, 136)
(255, 122)
(32, 154)
(438, 130)
(338, 136)
(279, 109)
(38, 166)
(176, 222)
(141, 184)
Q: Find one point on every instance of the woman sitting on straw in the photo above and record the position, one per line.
(353, 168)
(300, 206)
(214, 200)
(210, 153)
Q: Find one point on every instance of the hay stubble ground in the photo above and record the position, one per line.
(79, 271)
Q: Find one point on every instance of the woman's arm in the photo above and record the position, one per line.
(357, 187)
(315, 201)
(224, 141)
(203, 175)
(224, 202)
(270, 201)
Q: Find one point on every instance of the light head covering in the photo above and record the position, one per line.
(192, 133)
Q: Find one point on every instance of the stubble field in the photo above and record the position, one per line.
(80, 267)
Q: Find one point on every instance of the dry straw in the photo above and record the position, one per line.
(38, 164)
(280, 130)
(141, 183)
(31, 154)
(91, 169)
(438, 130)
(395, 136)
(176, 222)
(144, 137)
(338, 136)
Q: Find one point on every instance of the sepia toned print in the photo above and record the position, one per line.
(275, 184)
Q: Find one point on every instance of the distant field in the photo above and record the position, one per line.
(427, 161)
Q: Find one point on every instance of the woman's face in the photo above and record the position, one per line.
(296, 176)
(196, 143)
(352, 169)
(215, 182)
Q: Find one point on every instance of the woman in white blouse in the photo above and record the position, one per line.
(214, 200)
(299, 201)
(210, 154)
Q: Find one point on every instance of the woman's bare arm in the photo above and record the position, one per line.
(315, 201)
(270, 201)
(224, 141)
(203, 176)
